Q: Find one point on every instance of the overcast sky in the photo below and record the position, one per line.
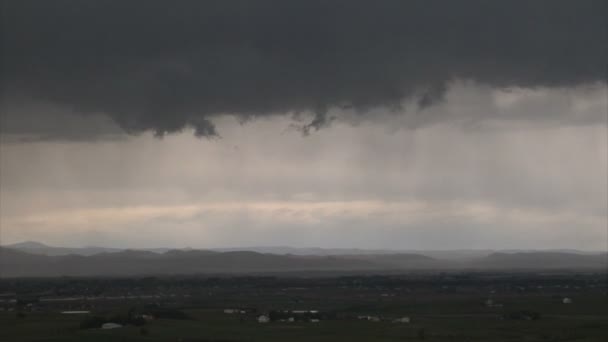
(384, 124)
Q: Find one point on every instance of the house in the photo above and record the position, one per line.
(314, 320)
(263, 319)
(567, 300)
(110, 325)
(301, 312)
(241, 311)
(491, 304)
(402, 320)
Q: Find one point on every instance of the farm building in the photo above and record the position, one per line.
(402, 320)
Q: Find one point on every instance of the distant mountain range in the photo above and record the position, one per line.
(34, 247)
(461, 254)
(36, 259)
(543, 260)
(15, 263)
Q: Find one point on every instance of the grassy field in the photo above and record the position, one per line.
(437, 321)
(438, 312)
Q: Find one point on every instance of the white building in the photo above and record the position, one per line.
(567, 300)
(402, 320)
(263, 319)
(491, 304)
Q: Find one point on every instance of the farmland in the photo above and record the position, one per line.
(440, 307)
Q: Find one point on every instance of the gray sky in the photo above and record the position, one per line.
(305, 124)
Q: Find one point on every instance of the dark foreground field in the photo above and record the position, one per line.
(441, 307)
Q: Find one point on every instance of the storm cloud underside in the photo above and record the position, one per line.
(124, 65)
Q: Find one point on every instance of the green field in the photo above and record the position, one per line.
(441, 308)
(449, 321)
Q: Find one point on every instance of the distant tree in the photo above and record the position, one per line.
(523, 315)
(137, 321)
(421, 334)
(169, 314)
(92, 322)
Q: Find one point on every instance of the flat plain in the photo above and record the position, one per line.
(479, 306)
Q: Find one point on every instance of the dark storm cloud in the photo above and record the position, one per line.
(163, 66)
